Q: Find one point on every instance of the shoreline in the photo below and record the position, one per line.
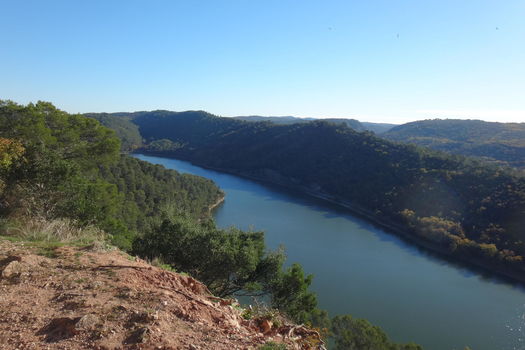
(217, 203)
(389, 227)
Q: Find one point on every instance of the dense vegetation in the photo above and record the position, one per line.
(377, 128)
(458, 205)
(503, 143)
(126, 131)
(275, 120)
(66, 171)
(230, 262)
(352, 123)
(150, 192)
(233, 262)
(57, 165)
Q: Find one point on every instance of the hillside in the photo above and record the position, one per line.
(377, 128)
(94, 298)
(276, 120)
(125, 130)
(352, 123)
(455, 205)
(64, 182)
(59, 165)
(502, 143)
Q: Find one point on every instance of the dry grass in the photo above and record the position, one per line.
(57, 230)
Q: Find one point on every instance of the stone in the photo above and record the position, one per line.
(137, 336)
(88, 321)
(59, 328)
(13, 269)
(266, 326)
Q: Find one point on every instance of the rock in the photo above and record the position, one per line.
(194, 285)
(59, 328)
(13, 269)
(266, 326)
(225, 302)
(141, 317)
(88, 321)
(137, 336)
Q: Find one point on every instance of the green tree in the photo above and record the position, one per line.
(227, 261)
(71, 168)
(358, 334)
(230, 262)
(290, 294)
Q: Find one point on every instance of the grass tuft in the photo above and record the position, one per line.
(51, 231)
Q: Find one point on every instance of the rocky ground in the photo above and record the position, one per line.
(91, 298)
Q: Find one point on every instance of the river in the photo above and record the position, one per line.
(362, 270)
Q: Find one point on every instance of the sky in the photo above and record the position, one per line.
(373, 60)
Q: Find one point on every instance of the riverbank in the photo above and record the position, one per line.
(217, 203)
(403, 232)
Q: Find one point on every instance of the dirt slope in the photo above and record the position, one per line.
(94, 299)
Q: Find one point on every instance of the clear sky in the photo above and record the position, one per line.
(390, 61)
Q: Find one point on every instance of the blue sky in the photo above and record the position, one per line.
(390, 61)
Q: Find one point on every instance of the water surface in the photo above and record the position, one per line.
(361, 270)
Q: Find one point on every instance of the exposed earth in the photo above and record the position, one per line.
(91, 298)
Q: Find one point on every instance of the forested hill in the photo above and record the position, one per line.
(354, 124)
(377, 128)
(127, 132)
(59, 166)
(456, 204)
(276, 120)
(497, 142)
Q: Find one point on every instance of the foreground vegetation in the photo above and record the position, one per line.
(64, 181)
(57, 165)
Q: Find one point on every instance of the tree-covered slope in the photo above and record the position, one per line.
(150, 190)
(501, 142)
(465, 207)
(352, 123)
(58, 165)
(275, 120)
(63, 179)
(126, 131)
(378, 128)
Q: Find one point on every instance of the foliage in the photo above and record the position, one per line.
(151, 192)
(502, 143)
(10, 152)
(126, 131)
(66, 182)
(230, 262)
(57, 177)
(290, 294)
(56, 165)
(164, 145)
(474, 203)
(377, 128)
(227, 261)
(358, 334)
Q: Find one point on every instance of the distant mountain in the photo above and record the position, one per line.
(502, 143)
(377, 128)
(351, 123)
(275, 119)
